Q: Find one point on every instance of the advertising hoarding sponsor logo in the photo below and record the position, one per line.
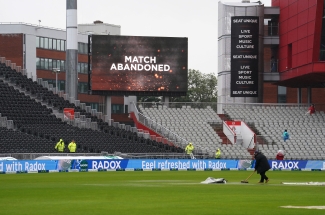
(106, 164)
(287, 164)
(26, 165)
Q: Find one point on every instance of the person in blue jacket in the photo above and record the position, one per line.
(285, 135)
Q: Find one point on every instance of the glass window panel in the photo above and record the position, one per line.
(49, 81)
(37, 42)
(78, 68)
(50, 43)
(41, 42)
(61, 85)
(79, 48)
(42, 63)
(85, 45)
(50, 64)
(62, 45)
(46, 65)
(93, 105)
(86, 68)
(54, 44)
(82, 67)
(117, 108)
(86, 87)
(58, 64)
(282, 90)
(58, 45)
(38, 63)
(282, 94)
(54, 64)
(53, 82)
(46, 43)
(282, 99)
(62, 68)
(82, 87)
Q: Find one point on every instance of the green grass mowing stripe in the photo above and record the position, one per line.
(158, 193)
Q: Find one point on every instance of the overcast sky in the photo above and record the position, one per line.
(195, 19)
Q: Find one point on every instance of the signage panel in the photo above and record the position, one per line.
(244, 56)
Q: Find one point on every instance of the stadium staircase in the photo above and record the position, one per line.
(219, 129)
(220, 132)
(260, 139)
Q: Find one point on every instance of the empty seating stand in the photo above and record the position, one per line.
(307, 132)
(36, 128)
(192, 124)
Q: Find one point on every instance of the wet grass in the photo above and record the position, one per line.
(158, 193)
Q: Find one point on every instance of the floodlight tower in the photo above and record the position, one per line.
(71, 80)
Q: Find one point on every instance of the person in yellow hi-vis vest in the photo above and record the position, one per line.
(189, 150)
(218, 154)
(60, 146)
(72, 146)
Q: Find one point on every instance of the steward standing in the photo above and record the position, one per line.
(72, 146)
(60, 146)
(218, 154)
(189, 150)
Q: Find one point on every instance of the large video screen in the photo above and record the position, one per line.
(134, 65)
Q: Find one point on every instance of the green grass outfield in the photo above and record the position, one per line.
(158, 192)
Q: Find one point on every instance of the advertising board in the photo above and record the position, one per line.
(244, 56)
